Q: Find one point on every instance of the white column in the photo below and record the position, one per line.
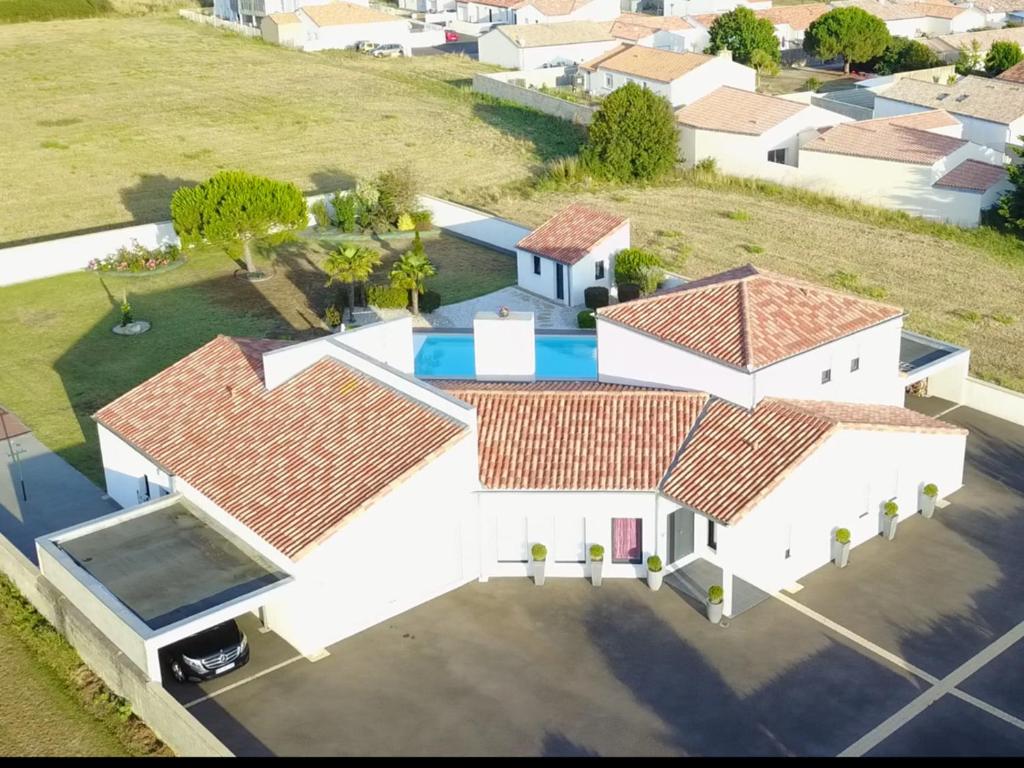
(727, 582)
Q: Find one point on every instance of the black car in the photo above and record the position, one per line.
(211, 653)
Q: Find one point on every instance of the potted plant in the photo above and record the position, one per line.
(539, 554)
(889, 519)
(841, 547)
(654, 573)
(928, 496)
(714, 603)
(596, 563)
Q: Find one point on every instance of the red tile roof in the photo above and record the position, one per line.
(734, 458)
(579, 440)
(290, 463)
(571, 234)
(731, 110)
(749, 318)
(1014, 74)
(891, 139)
(973, 176)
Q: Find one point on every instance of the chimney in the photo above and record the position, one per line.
(725, 53)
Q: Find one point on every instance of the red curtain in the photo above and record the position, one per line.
(626, 538)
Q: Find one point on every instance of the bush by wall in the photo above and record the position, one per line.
(137, 258)
(595, 296)
(430, 301)
(387, 297)
(635, 265)
(628, 292)
(586, 319)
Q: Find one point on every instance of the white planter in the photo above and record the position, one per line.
(840, 553)
(927, 505)
(538, 572)
(596, 566)
(654, 579)
(714, 611)
(889, 526)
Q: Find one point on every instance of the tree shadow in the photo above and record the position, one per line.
(550, 136)
(149, 198)
(331, 180)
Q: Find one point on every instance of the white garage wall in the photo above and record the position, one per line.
(707, 77)
(567, 523)
(581, 274)
(124, 469)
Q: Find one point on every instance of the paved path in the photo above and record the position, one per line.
(547, 314)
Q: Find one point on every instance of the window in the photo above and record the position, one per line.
(536, 265)
(712, 536)
(608, 82)
(599, 270)
(144, 489)
(826, 376)
(777, 156)
(855, 365)
(627, 539)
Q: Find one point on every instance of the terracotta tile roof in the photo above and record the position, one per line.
(579, 440)
(902, 11)
(340, 14)
(648, 63)
(636, 26)
(284, 19)
(926, 121)
(1014, 74)
(290, 463)
(561, 33)
(992, 99)
(557, 7)
(497, 3)
(571, 234)
(749, 318)
(734, 111)
(885, 139)
(735, 457)
(951, 44)
(973, 176)
(795, 16)
(706, 19)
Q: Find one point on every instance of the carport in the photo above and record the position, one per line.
(154, 574)
(943, 365)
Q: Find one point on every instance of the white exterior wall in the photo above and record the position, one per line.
(842, 485)
(494, 48)
(414, 544)
(542, 284)
(504, 348)
(484, 14)
(601, 82)
(389, 343)
(877, 380)
(124, 469)
(983, 132)
(577, 53)
(708, 77)
(923, 26)
(567, 523)
(595, 10)
(347, 35)
(627, 356)
(698, 7)
(582, 273)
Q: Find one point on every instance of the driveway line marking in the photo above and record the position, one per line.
(243, 681)
(947, 685)
(986, 707)
(940, 415)
(892, 658)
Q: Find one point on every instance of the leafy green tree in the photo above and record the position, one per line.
(640, 267)
(236, 206)
(411, 271)
(351, 264)
(742, 33)
(850, 32)
(969, 59)
(1001, 56)
(764, 64)
(1011, 204)
(632, 137)
(904, 55)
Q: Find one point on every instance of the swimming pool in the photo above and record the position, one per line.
(450, 355)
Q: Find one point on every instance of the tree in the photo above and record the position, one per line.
(904, 55)
(1011, 204)
(740, 32)
(850, 32)
(351, 264)
(632, 137)
(236, 206)
(411, 270)
(764, 64)
(1001, 56)
(969, 59)
(640, 267)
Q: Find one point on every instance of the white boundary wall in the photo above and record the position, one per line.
(994, 400)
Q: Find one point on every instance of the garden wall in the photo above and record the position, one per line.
(476, 226)
(213, 21)
(500, 86)
(994, 400)
(168, 719)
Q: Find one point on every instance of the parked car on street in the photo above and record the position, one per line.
(451, 36)
(365, 46)
(388, 50)
(211, 653)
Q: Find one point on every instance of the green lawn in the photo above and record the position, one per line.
(104, 118)
(61, 363)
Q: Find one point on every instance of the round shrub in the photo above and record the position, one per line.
(628, 292)
(586, 319)
(387, 297)
(539, 552)
(596, 552)
(653, 563)
(890, 508)
(715, 594)
(635, 265)
(429, 301)
(595, 296)
(843, 536)
(931, 490)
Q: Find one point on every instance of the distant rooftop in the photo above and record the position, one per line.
(648, 63)
(559, 33)
(998, 101)
(886, 139)
(731, 110)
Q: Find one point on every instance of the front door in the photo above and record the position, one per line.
(559, 282)
(680, 534)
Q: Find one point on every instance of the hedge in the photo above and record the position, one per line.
(430, 301)
(586, 319)
(387, 297)
(595, 296)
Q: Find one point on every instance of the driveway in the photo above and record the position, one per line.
(913, 649)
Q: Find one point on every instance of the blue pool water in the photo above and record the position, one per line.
(450, 355)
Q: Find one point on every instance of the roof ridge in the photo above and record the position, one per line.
(687, 438)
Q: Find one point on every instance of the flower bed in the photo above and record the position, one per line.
(137, 259)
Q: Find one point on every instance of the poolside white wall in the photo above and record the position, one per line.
(504, 348)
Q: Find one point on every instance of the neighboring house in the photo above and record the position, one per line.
(252, 12)
(910, 19)
(948, 47)
(998, 13)
(1014, 74)
(427, 6)
(572, 251)
(668, 33)
(697, 7)
(909, 163)
(790, 22)
(324, 487)
(490, 12)
(681, 78)
(745, 131)
(532, 46)
(336, 25)
(991, 110)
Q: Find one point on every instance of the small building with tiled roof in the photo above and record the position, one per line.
(681, 78)
(668, 33)
(921, 19)
(488, 13)
(534, 46)
(570, 252)
(334, 25)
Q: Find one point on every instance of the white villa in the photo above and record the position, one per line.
(252, 12)
(334, 25)
(487, 13)
(735, 422)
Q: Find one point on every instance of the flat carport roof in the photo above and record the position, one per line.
(156, 573)
(922, 356)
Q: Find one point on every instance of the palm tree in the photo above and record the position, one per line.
(411, 270)
(351, 264)
(763, 64)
